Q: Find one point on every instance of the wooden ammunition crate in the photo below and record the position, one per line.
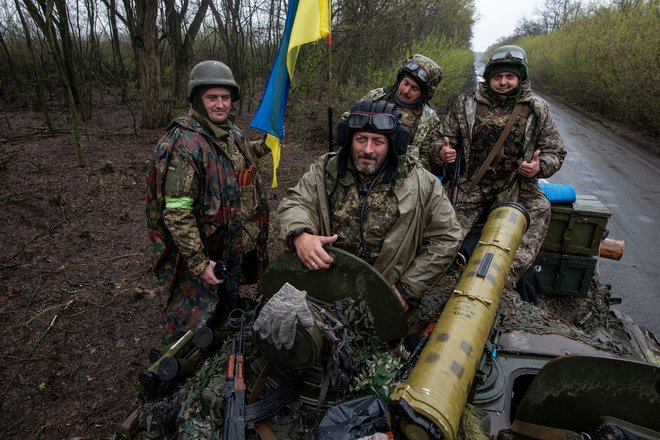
(577, 228)
(565, 274)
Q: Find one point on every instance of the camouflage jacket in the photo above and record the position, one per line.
(420, 124)
(540, 132)
(219, 204)
(417, 248)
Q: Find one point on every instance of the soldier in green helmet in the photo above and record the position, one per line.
(497, 166)
(415, 84)
(207, 210)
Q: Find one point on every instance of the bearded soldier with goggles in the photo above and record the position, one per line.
(365, 199)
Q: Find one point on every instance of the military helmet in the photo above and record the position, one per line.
(213, 73)
(376, 117)
(424, 70)
(507, 57)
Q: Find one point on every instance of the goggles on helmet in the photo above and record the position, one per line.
(417, 70)
(514, 54)
(375, 121)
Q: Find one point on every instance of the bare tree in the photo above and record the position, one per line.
(140, 19)
(40, 99)
(181, 38)
(553, 14)
(52, 19)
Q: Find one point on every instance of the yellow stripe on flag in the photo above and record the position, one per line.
(273, 143)
(312, 23)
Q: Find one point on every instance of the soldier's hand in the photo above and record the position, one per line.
(209, 276)
(531, 169)
(447, 153)
(310, 250)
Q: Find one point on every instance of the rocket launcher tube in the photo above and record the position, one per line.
(434, 395)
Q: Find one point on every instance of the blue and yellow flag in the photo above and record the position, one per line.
(306, 21)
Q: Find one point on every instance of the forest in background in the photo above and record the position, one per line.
(78, 54)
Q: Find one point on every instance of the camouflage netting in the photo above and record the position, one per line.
(374, 364)
(583, 319)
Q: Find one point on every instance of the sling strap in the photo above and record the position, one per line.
(496, 148)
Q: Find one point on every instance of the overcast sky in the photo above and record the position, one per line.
(498, 18)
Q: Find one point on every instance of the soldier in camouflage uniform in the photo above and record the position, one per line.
(375, 201)
(532, 150)
(411, 94)
(206, 206)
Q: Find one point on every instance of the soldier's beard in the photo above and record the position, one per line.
(371, 168)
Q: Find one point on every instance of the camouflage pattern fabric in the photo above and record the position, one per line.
(378, 209)
(540, 132)
(210, 220)
(474, 124)
(470, 207)
(421, 122)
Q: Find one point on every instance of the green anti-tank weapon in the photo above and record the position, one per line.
(176, 362)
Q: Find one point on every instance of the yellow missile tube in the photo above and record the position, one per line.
(430, 403)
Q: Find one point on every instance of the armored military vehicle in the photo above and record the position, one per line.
(482, 363)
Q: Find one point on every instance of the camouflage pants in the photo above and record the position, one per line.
(470, 207)
(191, 302)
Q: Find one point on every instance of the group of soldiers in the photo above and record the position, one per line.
(382, 196)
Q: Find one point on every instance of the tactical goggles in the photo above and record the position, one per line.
(417, 70)
(377, 121)
(515, 54)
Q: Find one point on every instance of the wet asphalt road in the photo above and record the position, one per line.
(626, 179)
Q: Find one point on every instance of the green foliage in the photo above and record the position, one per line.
(457, 67)
(606, 61)
(308, 98)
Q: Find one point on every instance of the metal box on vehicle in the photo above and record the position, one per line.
(565, 274)
(577, 228)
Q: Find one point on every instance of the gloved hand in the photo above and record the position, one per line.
(278, 318)
(220, 271)
(529, 286)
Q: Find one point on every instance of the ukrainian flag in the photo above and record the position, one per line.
(306, 21)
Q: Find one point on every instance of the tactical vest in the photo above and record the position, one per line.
(488, 125)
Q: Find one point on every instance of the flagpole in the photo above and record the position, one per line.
(330, 125)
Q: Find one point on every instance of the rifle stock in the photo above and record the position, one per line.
(234, 423)
(126, 429)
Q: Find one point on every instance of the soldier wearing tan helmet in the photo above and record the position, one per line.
(207, 210)
(416, 82)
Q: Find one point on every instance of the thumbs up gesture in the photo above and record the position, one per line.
(447, 153)
(531, 169)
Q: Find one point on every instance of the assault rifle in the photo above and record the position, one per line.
(419, 346)
(234, 423)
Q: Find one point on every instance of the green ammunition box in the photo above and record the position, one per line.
(565, 274)
(577, 228)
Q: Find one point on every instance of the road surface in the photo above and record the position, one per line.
(626, 179)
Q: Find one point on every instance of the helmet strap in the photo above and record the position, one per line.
(408, 104)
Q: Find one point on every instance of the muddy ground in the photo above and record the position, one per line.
(78, 305)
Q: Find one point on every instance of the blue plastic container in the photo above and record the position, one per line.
(558, 192)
